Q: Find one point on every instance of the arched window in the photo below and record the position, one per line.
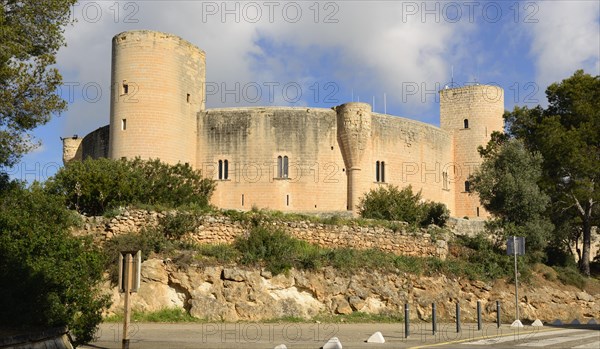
(223, 169)
(466, 123)
(467, 186)
(282, 166)
(279, 167)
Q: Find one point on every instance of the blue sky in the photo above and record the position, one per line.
(325, 53)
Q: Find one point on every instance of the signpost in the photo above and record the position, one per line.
(515, 245)
(130, 264)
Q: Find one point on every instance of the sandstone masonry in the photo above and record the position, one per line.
(281, 158)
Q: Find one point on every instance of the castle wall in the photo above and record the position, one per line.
(320, 156)
(332, 157)
(415, 154)
(95, 144)
(251, 140)
(157, 89)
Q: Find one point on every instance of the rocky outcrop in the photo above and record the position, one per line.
(236, 294)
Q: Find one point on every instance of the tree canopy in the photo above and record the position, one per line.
(507, 184)
(48, 277)
(31, 35)
(567, 135)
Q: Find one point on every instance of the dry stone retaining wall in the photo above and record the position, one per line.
(218, 229)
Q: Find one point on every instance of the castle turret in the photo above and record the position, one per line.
(354, 137)
(72, 149)
(470, 114)
(157, 90)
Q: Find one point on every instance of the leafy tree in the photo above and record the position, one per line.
(507, 184)
(95, 185)
(49, 278)
(567, 134)
(392, 203)
(32, 33)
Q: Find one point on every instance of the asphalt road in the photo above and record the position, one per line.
(301, 336)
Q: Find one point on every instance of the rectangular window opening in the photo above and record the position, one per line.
(242, 199)
(123, 124)
(287, 199)
(125, 88)
(187, 98)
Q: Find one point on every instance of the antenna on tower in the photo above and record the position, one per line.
(384, 104)
(352, 95)
(373, 104)
(452, 77)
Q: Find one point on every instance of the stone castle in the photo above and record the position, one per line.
(285, 158)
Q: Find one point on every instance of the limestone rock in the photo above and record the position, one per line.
(584, 296)
(154, 270)
(211, 309)
(234, 274)
(341, 305)
(356, 303)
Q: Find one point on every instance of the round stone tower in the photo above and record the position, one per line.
(156, 92)
(354, 137)
(470, 114)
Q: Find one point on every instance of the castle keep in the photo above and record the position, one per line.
(284, 158)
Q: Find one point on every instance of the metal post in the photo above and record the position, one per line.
(433, 319)
(406, 321)
(457, 317)
(127, 286)
(498, 313)
(478, 315)
(516, 280)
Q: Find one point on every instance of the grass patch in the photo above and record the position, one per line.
(167, 315)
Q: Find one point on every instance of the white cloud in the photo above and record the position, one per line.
(565, 38)
(375, 49)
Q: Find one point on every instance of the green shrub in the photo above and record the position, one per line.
(49, 278)
(435, 213)
(394, 204)
(273, 247)
(93, 186)
(570, 276)
(175, 225)
(222, 253)
(149, 241)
